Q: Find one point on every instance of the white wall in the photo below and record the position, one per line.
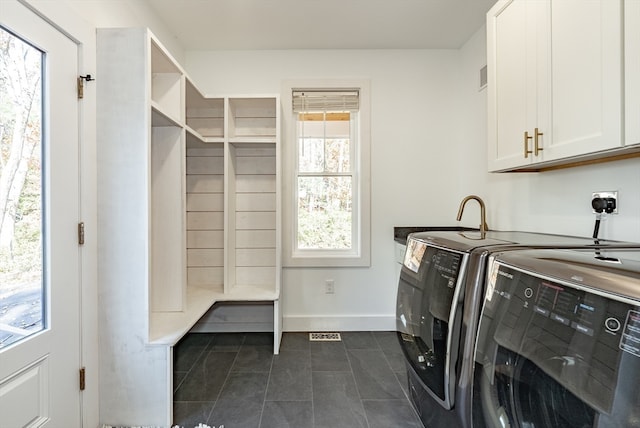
(429, 150)
(126, 13)
(415, 176)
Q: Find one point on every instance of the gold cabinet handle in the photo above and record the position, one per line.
(536, 142)
(527, 137)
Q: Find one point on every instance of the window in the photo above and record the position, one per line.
(328, 176)
(22, 286)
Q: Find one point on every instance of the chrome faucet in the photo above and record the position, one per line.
(483, 215)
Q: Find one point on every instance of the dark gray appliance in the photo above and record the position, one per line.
(558, 343)
(437, 306)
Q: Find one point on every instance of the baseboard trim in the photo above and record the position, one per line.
(339, 323)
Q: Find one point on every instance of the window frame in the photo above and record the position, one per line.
(360, 253)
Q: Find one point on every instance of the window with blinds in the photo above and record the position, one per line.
(326, 173)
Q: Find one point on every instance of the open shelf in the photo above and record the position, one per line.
(166, 83)
(252, 221)
(204, 115)
(159, 117)
(253, 118)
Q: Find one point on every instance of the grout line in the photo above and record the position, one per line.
(175, 388)
(226, 379)
(355, 382)
(266, 390)
(313, 407)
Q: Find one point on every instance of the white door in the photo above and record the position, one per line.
(39, 209)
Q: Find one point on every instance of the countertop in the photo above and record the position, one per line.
(400, 233)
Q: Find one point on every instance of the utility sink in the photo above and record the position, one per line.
(400, 233)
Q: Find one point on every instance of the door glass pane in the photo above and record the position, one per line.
(21, 237)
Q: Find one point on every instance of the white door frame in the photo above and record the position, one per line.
(62, 16)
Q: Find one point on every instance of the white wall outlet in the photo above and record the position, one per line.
(329, 286)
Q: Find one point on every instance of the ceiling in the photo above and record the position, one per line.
(321, 24)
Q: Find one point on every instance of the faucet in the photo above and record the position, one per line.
(483, 218)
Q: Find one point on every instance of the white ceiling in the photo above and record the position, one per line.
(322, 24)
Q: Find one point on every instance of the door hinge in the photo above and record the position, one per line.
(81, 233)
(81, 80)
(82, 378)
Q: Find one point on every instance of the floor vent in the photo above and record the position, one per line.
(324, 337)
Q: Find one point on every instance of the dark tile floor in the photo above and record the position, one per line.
(233, 379)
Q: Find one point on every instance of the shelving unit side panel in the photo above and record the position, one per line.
(167, 220)
(124, 231)
(123, 180)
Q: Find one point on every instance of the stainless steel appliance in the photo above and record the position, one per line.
(558, 343)
(438, 304)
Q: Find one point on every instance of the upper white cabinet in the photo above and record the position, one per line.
(554, 81)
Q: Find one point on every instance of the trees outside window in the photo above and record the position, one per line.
(328, 174)
(21, 276)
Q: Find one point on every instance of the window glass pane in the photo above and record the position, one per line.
(337, 155)
(21, 261)
(311, 154)
(324, 213)
(324, 145)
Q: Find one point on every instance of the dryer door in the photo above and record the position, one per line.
(553, 356)
(427, 302)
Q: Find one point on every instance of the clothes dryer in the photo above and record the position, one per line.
(558, 343)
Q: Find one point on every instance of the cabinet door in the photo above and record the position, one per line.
(512, 64)
(555, 72)
(586, 87)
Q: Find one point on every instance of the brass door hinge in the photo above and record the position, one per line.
(81, 233)
(82, 378)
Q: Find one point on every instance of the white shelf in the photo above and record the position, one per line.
(203, 114)
(252, 117)
(252, 140)
(162, 118)
(167, 328)
(192, 135)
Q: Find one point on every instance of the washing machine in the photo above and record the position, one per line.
(438, 304)
(558, 340)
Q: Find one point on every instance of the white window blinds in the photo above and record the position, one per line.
(323, 101)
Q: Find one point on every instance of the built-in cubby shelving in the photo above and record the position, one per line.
(205, 215)
(167, 83)
(252, 219)
(188, 189)
(252, 120)
(204, 115)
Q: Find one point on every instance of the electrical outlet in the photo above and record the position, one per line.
(607, 195)
(329, 286)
